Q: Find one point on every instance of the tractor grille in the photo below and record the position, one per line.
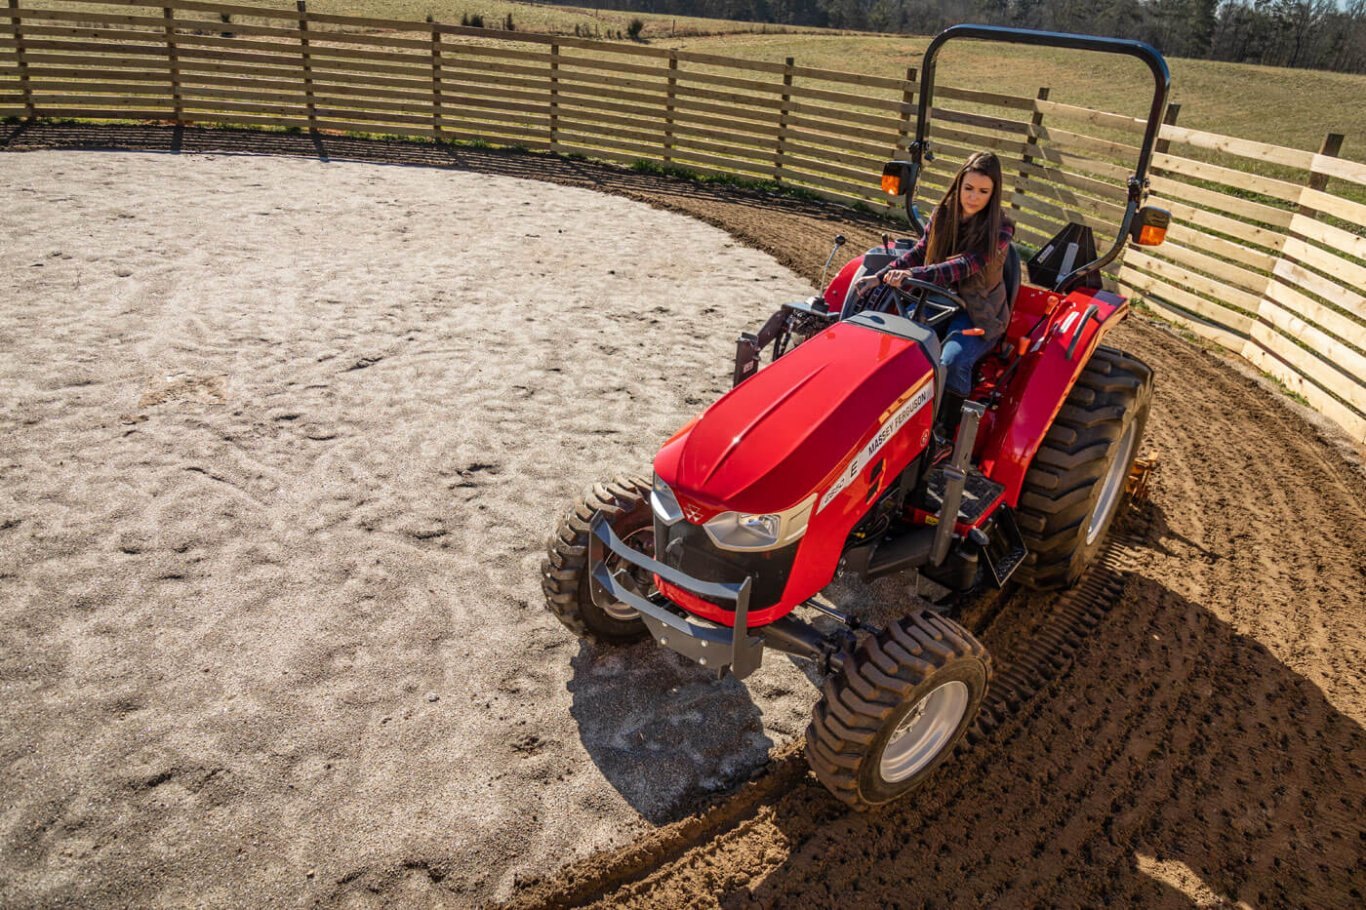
(686, 547)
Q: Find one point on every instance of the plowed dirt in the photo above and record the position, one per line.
(1206, 746)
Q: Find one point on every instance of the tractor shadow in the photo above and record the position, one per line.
(663, 731)
(1177, 762)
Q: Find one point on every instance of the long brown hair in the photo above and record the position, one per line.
(949, 233)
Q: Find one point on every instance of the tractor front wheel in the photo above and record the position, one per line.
(896, 708)
(1075, 485)
(565, 576)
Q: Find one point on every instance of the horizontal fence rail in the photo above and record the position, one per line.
(1271, 268)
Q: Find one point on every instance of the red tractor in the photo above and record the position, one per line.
(821, 464)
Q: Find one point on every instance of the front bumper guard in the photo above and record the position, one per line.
(708, 644)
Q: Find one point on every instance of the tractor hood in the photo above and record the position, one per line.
(782, 434)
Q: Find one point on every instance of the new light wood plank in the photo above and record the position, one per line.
(1336, 292)
(1067, 140)
(1221, 202)
(1307, 368)
(1342, 270)
(1244, 148)
(1231, 321)
(1238, 278)
(1325, 404)
(1333, 237)
(1091, 117)
(1318, 316)
(1267, 186)
(1246, 233)
(851, 79)
(1227, 295)
(1336, 206)
(717, 60)
(1254, 258)
(1131, 286)
(1342, 168)
(876, 121)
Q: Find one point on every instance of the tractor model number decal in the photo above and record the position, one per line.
(889, 429)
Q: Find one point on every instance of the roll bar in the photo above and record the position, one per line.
(920, 150)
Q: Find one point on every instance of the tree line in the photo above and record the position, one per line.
(1316, 34)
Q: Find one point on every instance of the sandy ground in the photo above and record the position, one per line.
(246, 546)
(282, 441)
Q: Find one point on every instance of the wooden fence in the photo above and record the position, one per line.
(1269, 267)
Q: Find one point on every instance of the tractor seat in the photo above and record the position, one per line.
(991, 367)
(1010, 276)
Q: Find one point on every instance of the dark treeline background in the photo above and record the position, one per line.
(1317, 34)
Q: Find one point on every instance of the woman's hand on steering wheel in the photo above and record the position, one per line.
(897, 278)
(915, 298)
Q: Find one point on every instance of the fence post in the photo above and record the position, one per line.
(903, 132)
(1031, 143)
(670, 94)
(1331, 148)
(308, 65)
(173, 60)
(554, 97)
(436, 80)
(1168, 119)
(783, 114)
(25, 87)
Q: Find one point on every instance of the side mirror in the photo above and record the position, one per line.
(897, 177)
(1150, 225)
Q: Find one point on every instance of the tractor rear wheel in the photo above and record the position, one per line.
(896, 708)
(564, 571)
(1075, 485)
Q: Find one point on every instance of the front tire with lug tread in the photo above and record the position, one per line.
(896, 709)
(565, 577)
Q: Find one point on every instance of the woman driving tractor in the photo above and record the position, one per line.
(963, 249)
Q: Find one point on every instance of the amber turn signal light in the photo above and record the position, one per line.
(897, 178)
(1148, 235)
(1149, 227)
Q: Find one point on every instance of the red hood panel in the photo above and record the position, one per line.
(779, 436)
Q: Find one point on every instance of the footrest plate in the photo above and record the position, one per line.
(980, 495)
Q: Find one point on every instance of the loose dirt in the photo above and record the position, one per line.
(1204, 748)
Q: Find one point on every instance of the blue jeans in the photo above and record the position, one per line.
(960, 353)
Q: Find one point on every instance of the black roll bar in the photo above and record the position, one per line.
(1162, 83)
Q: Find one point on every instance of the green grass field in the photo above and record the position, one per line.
(1290, 107)
(1294, 108)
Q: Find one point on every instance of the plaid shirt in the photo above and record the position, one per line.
(951, 271)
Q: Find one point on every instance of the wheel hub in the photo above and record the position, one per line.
(642, 582)
(924, 732)
(1112, 487)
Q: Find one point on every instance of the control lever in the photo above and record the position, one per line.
(839, 242)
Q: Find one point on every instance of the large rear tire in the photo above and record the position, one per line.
(1073, 489)
(565, 577)
(896, 709)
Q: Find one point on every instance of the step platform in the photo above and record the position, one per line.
(980, 495)
(1005, 549)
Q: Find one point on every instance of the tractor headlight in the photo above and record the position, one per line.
(741, 531)
(665, 504)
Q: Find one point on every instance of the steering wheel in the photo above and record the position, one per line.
(914, 302)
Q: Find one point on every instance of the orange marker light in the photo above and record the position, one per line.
(1151, 235)
(891, 184)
